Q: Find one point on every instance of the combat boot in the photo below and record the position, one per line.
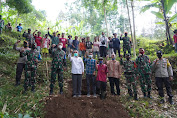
(17, 83)
(144, 93)
(130, 92)
(33, 89)
(170, 100)
(61, 90)
(51, 92)
(149, 95)
(135, 97)
(162, 101)
(24, 92)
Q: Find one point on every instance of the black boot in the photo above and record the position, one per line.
(144, 94)
(162, 101)
(33, 89)
(149, 95)
(24, 92)
(170, 100)
(130, 92)
(135, 97)
(61, 90)
(17, 83)
(51, 92)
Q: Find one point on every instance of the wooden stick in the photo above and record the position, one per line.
(47, 69)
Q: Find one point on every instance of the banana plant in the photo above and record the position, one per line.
(164, 7)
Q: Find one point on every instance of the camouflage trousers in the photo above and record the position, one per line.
(145, 82)
(30, 78)
(53, 77)
(126, 48)
(131, 83)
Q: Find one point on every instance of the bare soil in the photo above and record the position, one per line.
(65, 106)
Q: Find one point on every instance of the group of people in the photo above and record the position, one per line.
(8, 26)
(97, 71)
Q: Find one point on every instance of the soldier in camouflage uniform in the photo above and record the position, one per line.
(144, 71)
(130, 73)
(1, 24)
(126, 44)
(58, 62)
(30, 67)
(29, 37)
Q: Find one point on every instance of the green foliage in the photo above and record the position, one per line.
(22, 6)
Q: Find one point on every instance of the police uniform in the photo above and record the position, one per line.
(163, 71)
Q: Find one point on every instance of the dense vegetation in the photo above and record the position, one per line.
(84, 18)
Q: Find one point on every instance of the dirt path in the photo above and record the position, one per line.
(64, 106)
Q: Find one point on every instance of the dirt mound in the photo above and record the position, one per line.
(64, 106)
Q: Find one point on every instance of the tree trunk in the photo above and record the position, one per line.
(105, 19)
(134, 31)
(166, 23)
(134, 52)
(17, 19)
(0, 6)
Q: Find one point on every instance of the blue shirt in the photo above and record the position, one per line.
(90, 65)
(19, 28)
(116, 43)
(76, 44)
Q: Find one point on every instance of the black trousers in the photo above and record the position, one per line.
(19, 70)
(115, 50)
(103, 51)
(159, 83)
(115, 81)
(101, 86)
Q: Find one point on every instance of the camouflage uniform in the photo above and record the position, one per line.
(29, 38)
(130, 73)
(30, 68)
(126, 45)
(144, 71)
(57, 67)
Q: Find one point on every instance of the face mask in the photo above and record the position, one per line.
(142, 52)
(128, 58)
(90, 56)
(25, 45)
(101, 62)
(159, 56)
(60, 46)
(113, 59)
(75, 54)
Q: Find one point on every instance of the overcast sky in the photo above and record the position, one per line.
(53, 7)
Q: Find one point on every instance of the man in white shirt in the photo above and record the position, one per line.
(77, 72)
(103, 45)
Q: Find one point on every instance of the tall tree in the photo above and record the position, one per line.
(164, 7)
(128, 11)
(22, 6)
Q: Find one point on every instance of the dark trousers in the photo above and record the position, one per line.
(117, 49)
(91, 79)
(77, 83)
(103, 51)
(19, 70)
(115, 81)
(159, 83)
(64, 49)
(101, 86)
(96, 53)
